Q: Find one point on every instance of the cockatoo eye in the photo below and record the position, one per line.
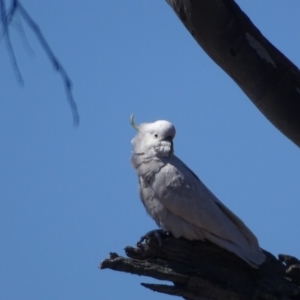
(155, 135)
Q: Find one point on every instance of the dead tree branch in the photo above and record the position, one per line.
(201, 270)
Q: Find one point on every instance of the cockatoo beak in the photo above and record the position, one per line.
(170, 140)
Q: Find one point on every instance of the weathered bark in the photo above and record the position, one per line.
(267, 77)
(201, 270)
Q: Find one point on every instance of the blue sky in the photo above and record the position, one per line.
(68, 196)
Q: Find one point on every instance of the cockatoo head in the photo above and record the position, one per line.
(153, 139)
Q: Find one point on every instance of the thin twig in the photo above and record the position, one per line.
(12, 10)
(6, 18)
(57, 65)
(6, 36)
(22, 33)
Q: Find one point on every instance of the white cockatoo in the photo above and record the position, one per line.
(177, 199)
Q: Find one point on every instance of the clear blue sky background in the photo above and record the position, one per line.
(69, 196)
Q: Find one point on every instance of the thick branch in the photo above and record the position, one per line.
(201, 270)
(266, 76)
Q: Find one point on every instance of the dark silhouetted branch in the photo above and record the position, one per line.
(201, 270)
(266, 76)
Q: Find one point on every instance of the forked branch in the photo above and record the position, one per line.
(6, 19)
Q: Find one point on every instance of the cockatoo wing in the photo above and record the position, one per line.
(185, 196)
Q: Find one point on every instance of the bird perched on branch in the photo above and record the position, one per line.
(177, 199)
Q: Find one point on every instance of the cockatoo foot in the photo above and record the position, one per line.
(159, 234)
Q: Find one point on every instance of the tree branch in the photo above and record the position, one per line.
(201, 270)
(266, 76)
(6, 19)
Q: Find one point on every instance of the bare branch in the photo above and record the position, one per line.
(57, 65)
(12, 11)
(6, 18)
(5, 21)
(202, 270)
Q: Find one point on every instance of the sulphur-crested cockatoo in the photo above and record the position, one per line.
(177, 199)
